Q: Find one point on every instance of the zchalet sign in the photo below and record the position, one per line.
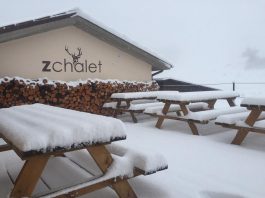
(74, 66)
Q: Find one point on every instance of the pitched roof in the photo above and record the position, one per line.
(77, 18)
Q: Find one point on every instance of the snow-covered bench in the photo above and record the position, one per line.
(134, 102)
(38, 132)
(157, 110)
(187, 99)
(250, 121)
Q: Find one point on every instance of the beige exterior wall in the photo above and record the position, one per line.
(23, 57)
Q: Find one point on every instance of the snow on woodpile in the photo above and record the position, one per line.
(87, 95)
(198, 96)
(41, 127)
(260, 101)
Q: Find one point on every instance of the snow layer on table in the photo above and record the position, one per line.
(253, 101)
(234, 118)
(198, 95)
(258, 124)
(113, 105)
(145, 105)
(214, 113)
(132, 95)
(42, 127)
(146, 160)
(174, 107)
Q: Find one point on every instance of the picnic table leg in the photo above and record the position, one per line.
(115, 110)
(242, 133)
(104, 159)
(123, 189)
(231, 102)
(131, 113)
(161, 118)
(133, 117)
(191, 124)
(193, 128)
(211, 104)
(29, 176)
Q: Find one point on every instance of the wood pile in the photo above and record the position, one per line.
(87, 96)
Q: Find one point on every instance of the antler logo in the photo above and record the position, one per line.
(75, 57)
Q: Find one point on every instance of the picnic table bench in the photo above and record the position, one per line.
(201, 114)
(251, 121)
(134, 102)
(44, 136)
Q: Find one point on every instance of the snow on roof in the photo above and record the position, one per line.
(41, 127)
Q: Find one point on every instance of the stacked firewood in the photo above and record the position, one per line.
(88, 96)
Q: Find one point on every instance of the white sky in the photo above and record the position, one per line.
(208, 41)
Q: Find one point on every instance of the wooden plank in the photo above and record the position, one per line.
(211, 103)
(5, 147)
(161, 118)
(231, 102)
(242, 133)
(29, 176)
(193, 128)
(101, 156)
(123, 189)
(115, 112)
(184, 108)
(128, 103)
(104, 159)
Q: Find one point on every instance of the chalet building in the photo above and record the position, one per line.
(70, 46)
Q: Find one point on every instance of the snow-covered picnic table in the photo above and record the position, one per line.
(134, 102)
(203, 114)
(251, 121)
(38, 132)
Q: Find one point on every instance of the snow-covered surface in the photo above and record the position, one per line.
(234, 118)
(42, 127)
(213, 113)
(198, 96)
(134, 95)
(113, 105)
(145, 105)
(205, 166)
(254, 101)
(123, 103)
(174, 107)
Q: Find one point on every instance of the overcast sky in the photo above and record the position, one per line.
(207, 41)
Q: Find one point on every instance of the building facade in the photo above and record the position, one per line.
(68, 46)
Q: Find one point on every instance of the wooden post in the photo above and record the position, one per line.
(234, 86)
(161, 118)
(29, 176)
(242, 133)
(104, 159)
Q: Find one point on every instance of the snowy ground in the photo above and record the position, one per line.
(205, 166)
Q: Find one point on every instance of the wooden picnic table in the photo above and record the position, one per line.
(123, 101)
(184, 99)
(24, 127)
